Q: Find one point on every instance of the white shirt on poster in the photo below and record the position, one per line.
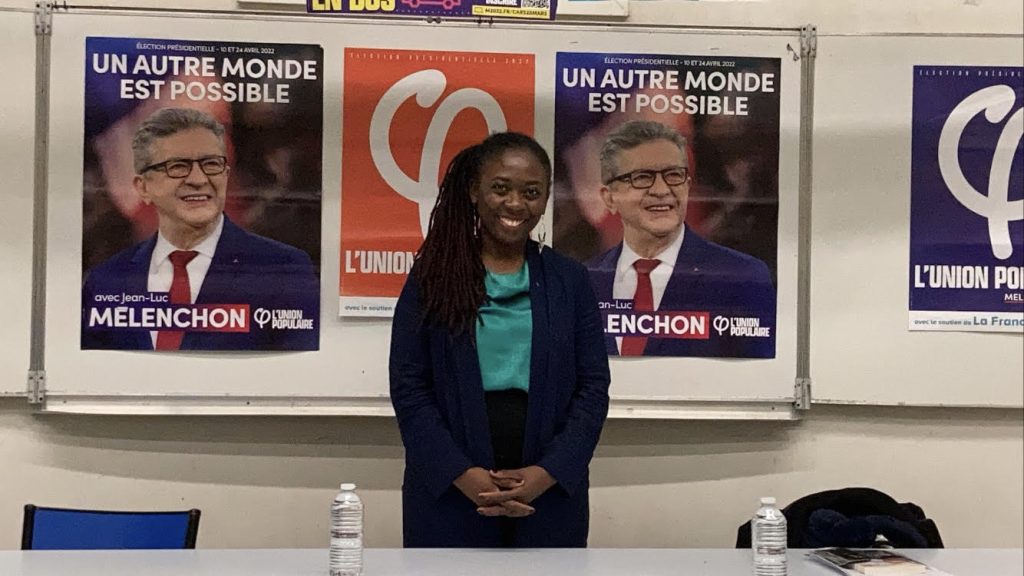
(161, 270)
(624, 287)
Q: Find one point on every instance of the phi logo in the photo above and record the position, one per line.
(721, 323)
(261, 316)
(995, 206)
(427, 86)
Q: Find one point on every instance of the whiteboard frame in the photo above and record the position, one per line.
(768, 407)
(163, 405)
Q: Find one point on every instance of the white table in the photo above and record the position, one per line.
(388, 562)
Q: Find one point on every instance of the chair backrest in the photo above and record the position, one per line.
(66, 529)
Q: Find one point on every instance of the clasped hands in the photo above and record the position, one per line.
(504, 492)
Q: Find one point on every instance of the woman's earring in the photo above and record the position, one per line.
(542, 235)
(476, 223)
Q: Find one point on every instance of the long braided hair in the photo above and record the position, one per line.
(448, 267)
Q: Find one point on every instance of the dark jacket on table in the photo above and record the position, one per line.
(438, 396)
(907, 525)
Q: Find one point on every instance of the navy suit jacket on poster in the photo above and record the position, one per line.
(706, 277)
(246, 269)
(438, 395)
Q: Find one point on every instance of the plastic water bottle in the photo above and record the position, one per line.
(347, 533)
(768, 529)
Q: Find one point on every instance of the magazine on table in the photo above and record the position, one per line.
(873, 562)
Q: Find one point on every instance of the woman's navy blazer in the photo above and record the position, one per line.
(438, 397)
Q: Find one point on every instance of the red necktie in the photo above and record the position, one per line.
(643, 301)
(181, 293)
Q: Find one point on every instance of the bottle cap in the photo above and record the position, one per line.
(348, 486)
(768, 500)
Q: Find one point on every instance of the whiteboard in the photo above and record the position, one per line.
(349, 374)
(17, 109)
(861, 350)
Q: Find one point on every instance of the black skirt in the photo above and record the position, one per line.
(506, 412)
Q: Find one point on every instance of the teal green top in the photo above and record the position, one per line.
(504, 332)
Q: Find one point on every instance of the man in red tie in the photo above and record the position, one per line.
(199, 259)
(663, 267)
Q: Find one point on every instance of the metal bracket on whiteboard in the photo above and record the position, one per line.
(809, 40)
(802, 394)
(44, 18)
(802, 384)
(481, 21)
(36, 386)
(40, 186)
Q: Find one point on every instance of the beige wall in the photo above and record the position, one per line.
(267, 482)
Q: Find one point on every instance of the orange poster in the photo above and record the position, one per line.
(406, 114)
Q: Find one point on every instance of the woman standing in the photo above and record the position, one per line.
(499, 375)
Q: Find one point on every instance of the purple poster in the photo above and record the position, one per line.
(201, 195)
(528, 9)
(967, 199)
(667, 188)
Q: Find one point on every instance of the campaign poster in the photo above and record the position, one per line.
(201, 195)
(967, 199)
(406, 114)
(528, 9)
(672, 160)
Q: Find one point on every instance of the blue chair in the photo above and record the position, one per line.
(65, 529)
